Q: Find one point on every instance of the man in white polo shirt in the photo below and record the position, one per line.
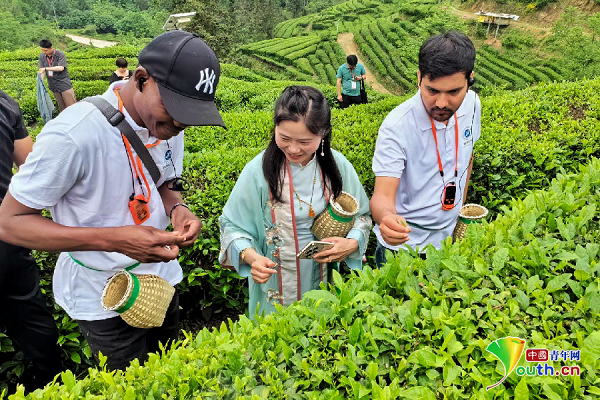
(108, 213)
(423, 156)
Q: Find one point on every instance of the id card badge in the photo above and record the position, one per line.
(353, 85)
(50, 73)
(138, 207)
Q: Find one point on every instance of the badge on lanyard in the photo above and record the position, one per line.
(50, 59)
(138, 204)
(449, 189)
(139, 209)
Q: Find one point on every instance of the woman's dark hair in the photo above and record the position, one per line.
(121, 62)
(446, 54)
(45, 44)
(352, 60)
(309, 105)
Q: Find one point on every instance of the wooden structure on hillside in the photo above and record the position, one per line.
(177, 21)
(495, 19)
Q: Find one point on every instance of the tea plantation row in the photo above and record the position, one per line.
(388, 37)
(416, 329)
(528, 137)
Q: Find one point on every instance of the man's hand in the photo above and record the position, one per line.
(340, 99)
(185, 222)
(394, 229)
(42, 72)
(147, 244)
(342, 248)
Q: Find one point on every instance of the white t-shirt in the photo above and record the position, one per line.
(405, 149)
(80, 171)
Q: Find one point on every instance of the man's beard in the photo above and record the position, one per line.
(441, 114)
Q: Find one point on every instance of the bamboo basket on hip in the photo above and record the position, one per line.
(335, 221)
(469, 214)
(141, 301)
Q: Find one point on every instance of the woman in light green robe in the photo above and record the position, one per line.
(270, 211)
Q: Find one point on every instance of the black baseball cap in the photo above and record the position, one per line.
(187, 72)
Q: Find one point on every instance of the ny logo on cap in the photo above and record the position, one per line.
(207, 79)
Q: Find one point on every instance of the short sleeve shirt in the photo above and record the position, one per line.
(12, 128)
(405, 149)
(59, 81)
(79, 169)
(349, 86)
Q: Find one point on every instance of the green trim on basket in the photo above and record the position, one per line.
(470, 221)
(134, 294)
(337, 217)
(100, 270)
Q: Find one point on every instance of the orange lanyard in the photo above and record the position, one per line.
(455, 145)
(50, 59)
(137, 163)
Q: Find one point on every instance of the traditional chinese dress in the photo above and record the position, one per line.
(279, 231)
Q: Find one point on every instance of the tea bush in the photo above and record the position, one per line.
(416, 329)
(528, 138)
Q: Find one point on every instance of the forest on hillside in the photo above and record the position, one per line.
(24, 22)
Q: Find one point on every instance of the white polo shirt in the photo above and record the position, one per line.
(80, 171)
(405, 149)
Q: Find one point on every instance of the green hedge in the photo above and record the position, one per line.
(416, 329)
(113, 52)
(528, 137)
(531, 135)
(23, 90)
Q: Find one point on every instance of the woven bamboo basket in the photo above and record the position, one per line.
(337, 219)
(469, 213)
(141, 300)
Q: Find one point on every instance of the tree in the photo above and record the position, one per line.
(594, 25)
(256, 19)
(567, 31)
(9, 32)
(580, 54)
(295, 7)
(213, 24)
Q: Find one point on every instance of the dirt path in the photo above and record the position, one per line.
(346, 40)
(88, 41)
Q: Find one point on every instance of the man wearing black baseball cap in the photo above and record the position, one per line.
(109, 209)
(187, 72)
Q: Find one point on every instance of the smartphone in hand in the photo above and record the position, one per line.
(313, 248)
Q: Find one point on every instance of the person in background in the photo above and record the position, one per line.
(121, 73)
(23, 309)
(109, 211)
(276, 198)
(349, 77)
(424, 151)
(53, 64)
